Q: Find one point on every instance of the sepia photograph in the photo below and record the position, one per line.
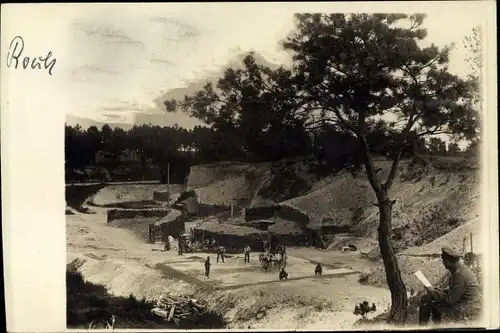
(260, 168)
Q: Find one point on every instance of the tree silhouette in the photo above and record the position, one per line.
(250, 117)
(356, 68)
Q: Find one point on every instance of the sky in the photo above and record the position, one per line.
(121, 57)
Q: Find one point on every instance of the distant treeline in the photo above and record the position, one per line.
(148, 145)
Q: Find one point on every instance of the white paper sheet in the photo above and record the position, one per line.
(423, 279)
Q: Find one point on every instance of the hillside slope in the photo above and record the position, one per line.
(427, 258)
(431, 200)
(252, 185)
(433, 197)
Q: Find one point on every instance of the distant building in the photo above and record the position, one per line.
(128, 156)
(191, 205)
(171, 225)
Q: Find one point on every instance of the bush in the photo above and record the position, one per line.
(91, 303)
(209, 319)
(185, 195)
(363, 277)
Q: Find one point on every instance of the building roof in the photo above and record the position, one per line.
(170, 217)
(226, 228)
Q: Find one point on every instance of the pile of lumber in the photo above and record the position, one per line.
(174, 308)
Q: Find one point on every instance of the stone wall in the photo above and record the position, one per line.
(234, 243)
(116, 214)
(161, 196)
(283, 212)
(173, 228)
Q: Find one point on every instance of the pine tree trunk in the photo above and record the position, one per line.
(399, 304)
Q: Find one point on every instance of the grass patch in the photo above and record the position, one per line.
(132, 204)
(76, 195)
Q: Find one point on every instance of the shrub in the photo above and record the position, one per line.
(185, 195)
(363, 277)
(91, 303)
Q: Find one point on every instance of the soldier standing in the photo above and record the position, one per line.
(220, 253)
(207, 267)
(167, 245)
(180, 249)
(247, 253)
(318, 270)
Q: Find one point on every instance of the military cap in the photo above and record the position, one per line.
(447, 251)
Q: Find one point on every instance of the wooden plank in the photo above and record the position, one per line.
(159, 312)
(471, 246)
(171, 314)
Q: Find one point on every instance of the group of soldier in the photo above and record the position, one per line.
(461, 298)
(281, 250)
(221, 251)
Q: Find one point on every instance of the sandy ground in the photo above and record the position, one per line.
(119, 260)
(136, 192)
(432, 203)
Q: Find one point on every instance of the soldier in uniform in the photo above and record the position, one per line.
(220, 253)
(318, 270)
(180, 246)
(247, 253)
(460, 301)
(283, 275)
(207, 267)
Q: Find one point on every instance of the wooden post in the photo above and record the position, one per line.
(464, 249)
(232, 209)
(168, 184)
(471, 245)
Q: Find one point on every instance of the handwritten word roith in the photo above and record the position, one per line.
(16, 59)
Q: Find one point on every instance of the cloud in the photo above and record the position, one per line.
(161, 61)
(181, 30)
(88, 73)
(118, 109)
(108, 33)
(93, 69)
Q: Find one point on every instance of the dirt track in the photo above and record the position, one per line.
(118, 259)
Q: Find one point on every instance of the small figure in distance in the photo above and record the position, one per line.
(247, 253)
(207, 267)
(283, 274)
(220, 253)
(318, 270)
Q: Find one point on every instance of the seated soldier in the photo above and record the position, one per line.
(283, 274)
(318, 270)
(460, 301)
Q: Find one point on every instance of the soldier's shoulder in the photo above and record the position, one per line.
(466, 273)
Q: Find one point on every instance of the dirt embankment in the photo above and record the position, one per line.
(77, 195)
(427, 258)
(251, 184)
(115, 194)
(436, 201)
(430, 202)
(433, 197)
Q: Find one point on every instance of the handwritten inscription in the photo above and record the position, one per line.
(16, 59)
